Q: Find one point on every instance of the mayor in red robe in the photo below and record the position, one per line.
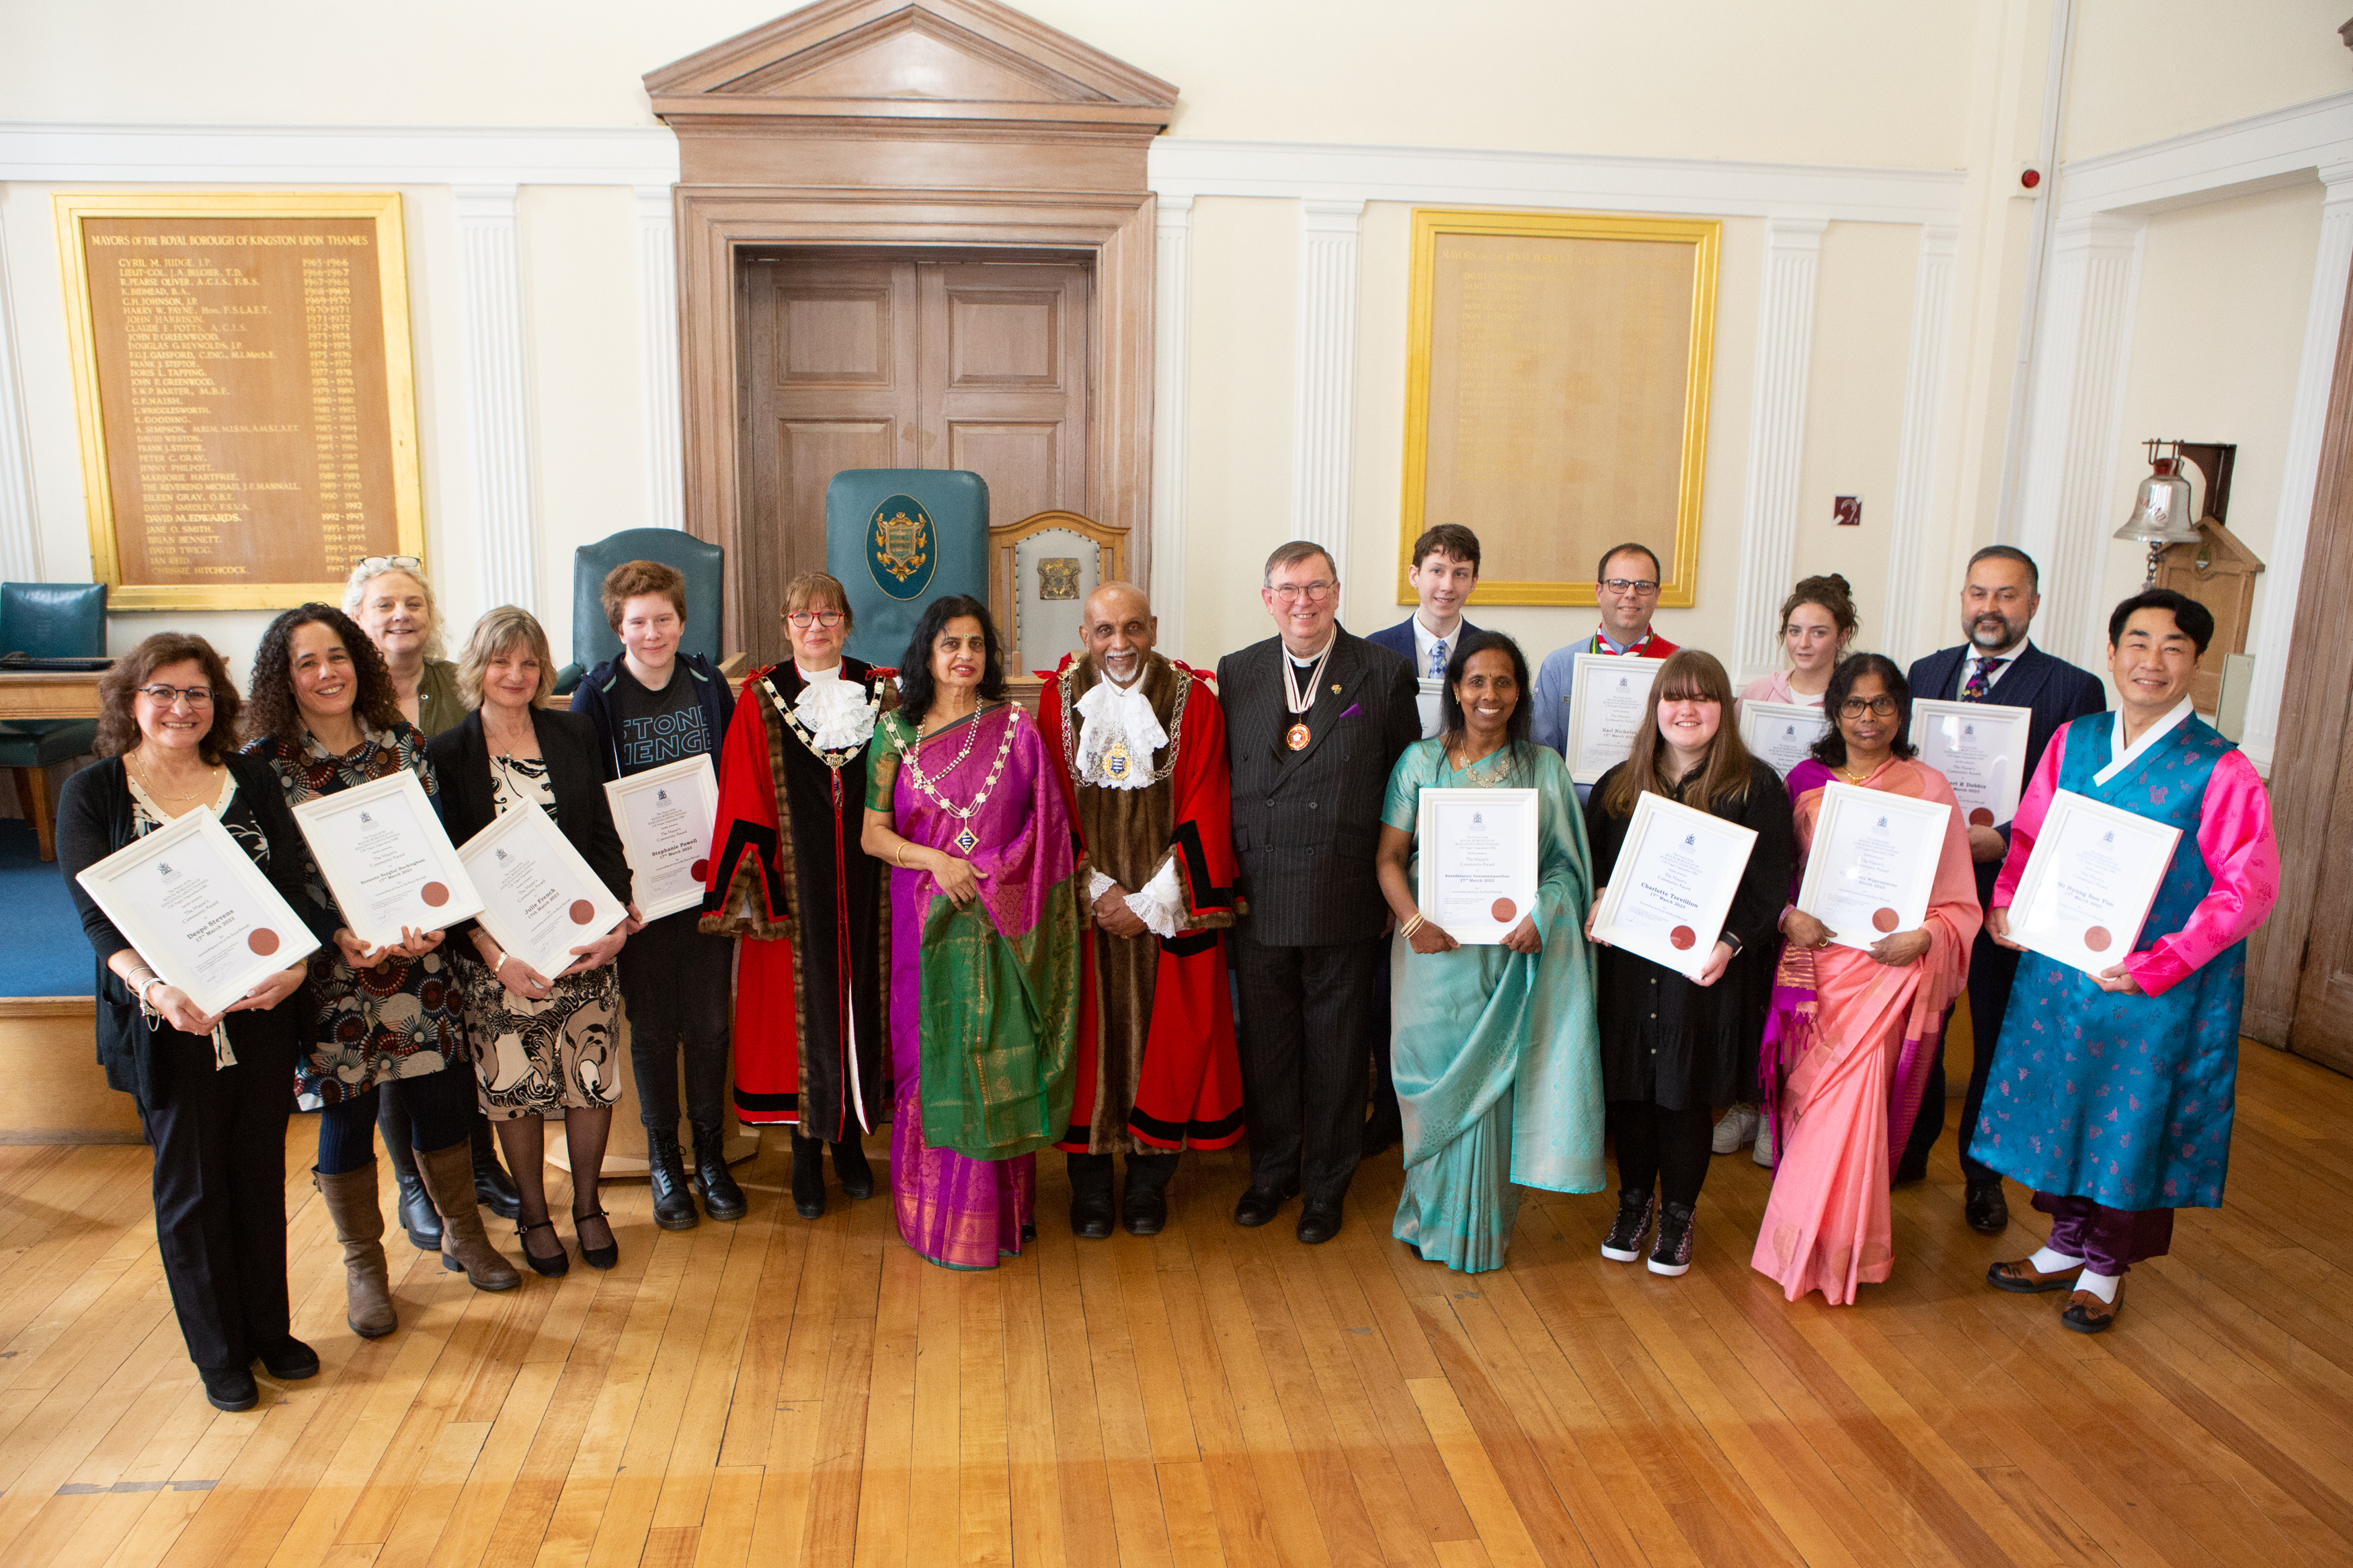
(1139, 744)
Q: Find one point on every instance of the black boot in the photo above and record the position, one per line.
(418, 1217)
(849, 1164)
(808, 1176)
(673, 1204)
(493, 1188)
(719, 1194)
(1090, 1204)
(1144, 1205)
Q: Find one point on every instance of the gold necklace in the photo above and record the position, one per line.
(1856, 778)
(210, 789)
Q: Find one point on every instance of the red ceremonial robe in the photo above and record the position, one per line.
(1157, 1070)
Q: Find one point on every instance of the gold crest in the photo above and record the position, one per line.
(901, 543)
(1058, 577)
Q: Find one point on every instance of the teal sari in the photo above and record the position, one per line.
(1515, 1097)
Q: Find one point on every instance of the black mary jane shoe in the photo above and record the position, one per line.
(555, 1268)
(230, 1388)
(290, 1360)
(808, 1177)
(603, 1256)
(850, 1166)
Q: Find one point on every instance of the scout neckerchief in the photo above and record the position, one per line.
(1298, 735)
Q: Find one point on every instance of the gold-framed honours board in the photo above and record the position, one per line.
(1556, 394)
(244, 390)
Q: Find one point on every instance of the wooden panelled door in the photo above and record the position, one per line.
(901, 362)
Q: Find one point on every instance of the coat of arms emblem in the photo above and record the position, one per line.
(1058, 577)
(901, 549)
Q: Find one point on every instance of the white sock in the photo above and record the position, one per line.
(2046, 1261)
(2103, 1286)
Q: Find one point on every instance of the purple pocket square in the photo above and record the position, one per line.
(1354, 711)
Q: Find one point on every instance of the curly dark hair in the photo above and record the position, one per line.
(118, 720)
(1831, 750)
(915, 688)
(271, 715)
(1452, 721)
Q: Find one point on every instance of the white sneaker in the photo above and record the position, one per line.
(1763, 1153)
(1738, 1129)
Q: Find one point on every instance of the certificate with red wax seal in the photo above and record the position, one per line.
(1673, 884)
(386, 859)
(540, 899)
(2089, 880)
(1873, 863)
(1475, 858)
(199, 911)
(664, 816)
(1981, 747)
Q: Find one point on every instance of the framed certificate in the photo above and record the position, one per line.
(1674, 884)
(1873, 864)
(664, 817)
(1783, 733)
(1478, 865)
(540, 899)
(2088, 884)
(386, 859)
(198, 910)
(1981, 747)
(1609, 703)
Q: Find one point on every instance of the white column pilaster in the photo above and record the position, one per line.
(2307, 423)
(20, 539)
(498, 395)
(658, 342)
(1776, 439)
(1324, 418)
(2074, 426)
(1911, 541)
(1173, 327)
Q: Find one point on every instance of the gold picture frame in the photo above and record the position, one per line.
(1663, 271)
(362, 446)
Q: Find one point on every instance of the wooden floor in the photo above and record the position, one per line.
(775, 1391)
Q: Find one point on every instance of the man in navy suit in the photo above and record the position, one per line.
(1998, 665)
(1445, 569)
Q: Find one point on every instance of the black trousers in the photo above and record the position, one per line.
(1667, 1149)
(676, 982)
(1305, 1015)
(1992, 968)
(219, 1140)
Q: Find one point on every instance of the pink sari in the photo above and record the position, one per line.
(1846, 1058)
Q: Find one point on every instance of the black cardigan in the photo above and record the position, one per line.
(94, 820)
(575, 776)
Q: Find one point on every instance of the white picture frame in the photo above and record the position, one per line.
(1609, 701)
(388, 859)
(2089, 881)
(1873, 864)
(664, 817)
(1674, 884)
(1477, 876)
(1782, 733)
(1981, 747)
(539, 897)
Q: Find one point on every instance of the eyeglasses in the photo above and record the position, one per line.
(804, 620)
(1314, 592)
(1856, 707)
(390, 563)
(165, 695)
(1643, 585)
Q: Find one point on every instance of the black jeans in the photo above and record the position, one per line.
(676, 981)
(220, 1138)
(1305, 1013)
(1666, 1148)
(440, 1107)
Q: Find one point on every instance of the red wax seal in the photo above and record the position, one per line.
(262, 940)
(583, 911)
(1683, 937)
(1503, 909)
(1882, 920)
(700, 870)
(433, 894)
(2097, 939)
(1981, 818)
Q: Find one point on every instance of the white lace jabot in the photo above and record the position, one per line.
(1110, 714)
(835, 711)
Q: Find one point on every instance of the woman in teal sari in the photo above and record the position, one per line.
(1515, 1097)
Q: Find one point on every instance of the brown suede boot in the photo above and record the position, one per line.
(450, 1177)
(350, 1200)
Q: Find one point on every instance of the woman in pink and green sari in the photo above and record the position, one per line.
(983, 969)
(1853, 1031)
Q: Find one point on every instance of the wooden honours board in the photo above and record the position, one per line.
(245, 392)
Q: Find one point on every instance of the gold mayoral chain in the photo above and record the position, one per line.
(1117, 760)
(1298, 735)
(966, 841)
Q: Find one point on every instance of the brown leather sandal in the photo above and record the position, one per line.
(2022, 1279)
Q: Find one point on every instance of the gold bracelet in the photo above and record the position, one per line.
(1413, 925)
(898, 855)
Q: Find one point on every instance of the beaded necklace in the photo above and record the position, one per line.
(967, 840)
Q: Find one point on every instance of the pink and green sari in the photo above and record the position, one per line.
(983, 1001)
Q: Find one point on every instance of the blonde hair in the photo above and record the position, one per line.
(375, 566)
(493, 638)
(810, 587)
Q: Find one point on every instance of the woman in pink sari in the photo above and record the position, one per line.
(1853, 1032)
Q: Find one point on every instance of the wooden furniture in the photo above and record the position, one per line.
(36, 695)
(57, 1091)
(1040, 570)
(2219, 574)
(919, 131)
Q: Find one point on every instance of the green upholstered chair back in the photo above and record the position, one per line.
(898, 539)
(702, 565)
(53, 620)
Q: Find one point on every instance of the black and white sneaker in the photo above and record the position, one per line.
(1672, 1255)
(1624, 1242)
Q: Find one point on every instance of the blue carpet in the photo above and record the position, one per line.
(42, 950)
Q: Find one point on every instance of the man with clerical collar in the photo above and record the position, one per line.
(1315, 719)
(2113, 1093)
(1626, 587)
(1995, 663)
(1139, 744)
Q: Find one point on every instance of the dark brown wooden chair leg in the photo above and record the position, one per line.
(33, 800)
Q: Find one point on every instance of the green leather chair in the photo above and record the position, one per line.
(48, 620)
(702, 565)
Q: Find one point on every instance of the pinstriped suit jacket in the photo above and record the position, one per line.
(1306, 823)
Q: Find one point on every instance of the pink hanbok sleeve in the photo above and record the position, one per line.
(2234, 835)
(2032, 807)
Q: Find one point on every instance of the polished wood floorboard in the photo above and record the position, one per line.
(780, 1392)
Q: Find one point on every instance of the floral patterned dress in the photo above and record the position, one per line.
(400, 1019)
(541, 1058)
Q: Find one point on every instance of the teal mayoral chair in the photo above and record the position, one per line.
(702, 565)
(48, 620)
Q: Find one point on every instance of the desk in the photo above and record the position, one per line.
(29, 695)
